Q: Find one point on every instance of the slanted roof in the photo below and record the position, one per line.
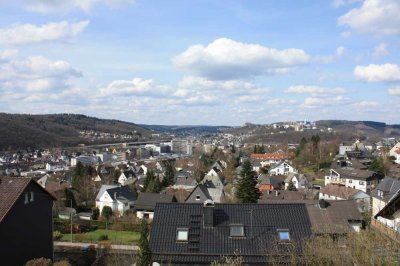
(147, 201)
(357, 174)
(11, 189)
(261, 223)
(390, 208)
(339, 191)
(389, 187)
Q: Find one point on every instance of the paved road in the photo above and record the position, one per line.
(83, 245)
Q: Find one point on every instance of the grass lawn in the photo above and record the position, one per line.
(320, 182)
(115, 237)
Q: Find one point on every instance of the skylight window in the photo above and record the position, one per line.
(283, 235)
(182, 235)
(237, 231)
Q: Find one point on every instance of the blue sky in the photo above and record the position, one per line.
(202, 62)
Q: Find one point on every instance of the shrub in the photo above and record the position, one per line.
(103, 237)
(38, 262)
(57, 235)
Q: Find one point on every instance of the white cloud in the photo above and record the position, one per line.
(29, 33)
(345, 34)
(35, 78)
(62, 6)
(394, 91)
(380, 50)
(137, 86)
(227, 59)
(314, 90)
(340, 51)
(379, 17)
(366, 104)
(378, 73)
(317, 102)
(339, 3)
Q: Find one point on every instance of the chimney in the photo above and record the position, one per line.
(322, 204)
(208, 213)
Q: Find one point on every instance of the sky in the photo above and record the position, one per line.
(202, 62)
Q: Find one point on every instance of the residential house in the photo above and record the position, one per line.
(364, 180)
(299, 181)
(391, 212)
(206, 191)
(214, 176)
(26, 221)
(266, 182)
(57, 167)
(198, 234)
(282, 168)
(385, 193)
(119, 198)
(146, 203)
(338, 192)
(395, 152)
(267, 159)
(127, 177)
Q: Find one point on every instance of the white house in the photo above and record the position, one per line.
(127, 177)
(84, 159)
(364, 180)
(119, 198)
(56, 167)
(386, 192)
(300, 181)
(395, 152)
(282, 168)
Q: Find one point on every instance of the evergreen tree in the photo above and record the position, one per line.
(144, 254)
(291, 186)
(246, 191)
(168, 176)
(95, 213)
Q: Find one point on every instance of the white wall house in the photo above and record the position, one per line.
(119, 198)
(282, 168)
(395, 152)
(363, 180)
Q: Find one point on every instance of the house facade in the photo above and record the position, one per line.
(282, 168)
(118, 198)
(363, 180)
(26, 221)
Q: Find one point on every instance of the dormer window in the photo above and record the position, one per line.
(32, 196)
(26, 198)
(380, 193)
(284, 235)
(182, 235)
(197, 197)
(237, 230)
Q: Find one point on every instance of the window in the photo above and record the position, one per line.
(283, 235)
(146, 215)
(350, 181)
(361, 182)
(237, 231)
(182, 235)
(380, 193)
(32, 196)
(26, 198)
(197, 197)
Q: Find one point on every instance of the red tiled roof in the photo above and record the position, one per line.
(10, 190)
(271, 156)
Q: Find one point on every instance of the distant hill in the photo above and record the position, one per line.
(344, 131)
(21, 131)
(186, 130)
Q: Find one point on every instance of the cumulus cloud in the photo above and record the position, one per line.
(29, 33)
(35, 78)
(380, 50)
(378, 17)
(225, 59)
(394, 91)
(60, 6)
(314, 90)
(137, 86)
(326, 59)
(378, 73)
(339, 3)
(317, 102)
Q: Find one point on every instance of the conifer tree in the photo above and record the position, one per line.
(246, 191)
(144, 254)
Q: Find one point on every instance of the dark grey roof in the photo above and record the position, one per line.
(147, 201)
(200, 190)
(122, 193)
(392, 207)
(357, 174)
(206, 244)
(389, 186)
